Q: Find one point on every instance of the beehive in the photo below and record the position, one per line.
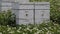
(28, 12)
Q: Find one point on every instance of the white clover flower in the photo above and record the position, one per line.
(27, 28)
(55, 24)
(58, 30)
(19, 27)
(46, 24)
(18, 31)
(7, 25)
(48, 32)
(23, 33)
(46, 28)
(9, 29)
(0, 32)
(37, 32)
(50, 28)
(40, 30)
(35, 28)
(11, 32)
(30, 30)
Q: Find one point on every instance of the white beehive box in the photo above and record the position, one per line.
(42, 13)
(27, 11)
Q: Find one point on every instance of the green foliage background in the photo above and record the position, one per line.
(7, 18)
(54, 9)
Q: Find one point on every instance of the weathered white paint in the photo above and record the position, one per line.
(26, 19)
(0, 4)
(20, 8)
(42, 15)
(22, 1)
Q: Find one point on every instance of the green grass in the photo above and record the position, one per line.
(44, 28)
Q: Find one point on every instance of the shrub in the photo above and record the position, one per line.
(55, 11)
(7, 18)
(44, 28)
